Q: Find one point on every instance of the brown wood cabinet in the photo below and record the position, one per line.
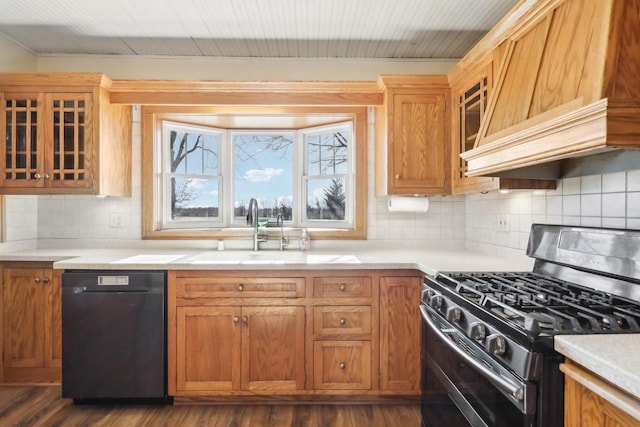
(286, 333)
(400, 333)
(61, 135)
(470, 90)
(412, 139)
(233, 344)
(31, 311)
(591, 401)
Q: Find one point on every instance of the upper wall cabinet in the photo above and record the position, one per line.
(412, 134)
(62, 135)
(568, 86)
(471, 86)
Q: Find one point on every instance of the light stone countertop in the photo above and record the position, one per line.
(426, 260)
(615, 358)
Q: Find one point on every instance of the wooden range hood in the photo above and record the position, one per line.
(568, 87)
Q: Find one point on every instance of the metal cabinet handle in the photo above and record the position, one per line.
(45, 280)
(37, 176)
(398, 176)
(343, 287)
(241, 287)
(37, 280)
(236, 319)
(343, 366)
(245, 320)
(46, 176)
(343, 321)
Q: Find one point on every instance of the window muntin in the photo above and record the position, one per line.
(191, 176)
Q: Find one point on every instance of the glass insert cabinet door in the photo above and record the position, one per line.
(46, 140)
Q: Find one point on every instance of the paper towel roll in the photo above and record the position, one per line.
(408, 204)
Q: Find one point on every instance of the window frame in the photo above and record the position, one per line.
(152, 117)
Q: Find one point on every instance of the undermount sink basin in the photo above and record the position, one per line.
(268, 257)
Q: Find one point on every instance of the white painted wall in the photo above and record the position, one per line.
(14, 57)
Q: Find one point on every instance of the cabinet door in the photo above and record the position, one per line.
(53, 318)
(342, 365)
(208, 350)
(419, 162)
(400, 333)
(23, 318)
(69, 140)
(21, 132)
(470, 102)
(273, 348)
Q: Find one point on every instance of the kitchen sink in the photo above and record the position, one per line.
(268, 257)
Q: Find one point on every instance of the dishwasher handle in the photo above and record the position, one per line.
(84, 290)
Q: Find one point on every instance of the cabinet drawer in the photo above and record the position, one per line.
(216, 287)
(342, 320)
(341, 287)
(342, 365)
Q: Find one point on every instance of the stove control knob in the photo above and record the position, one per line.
(436, 302)
(477, 331)
(454, 314)
(496, 344)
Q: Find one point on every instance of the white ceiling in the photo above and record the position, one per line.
(252, 28)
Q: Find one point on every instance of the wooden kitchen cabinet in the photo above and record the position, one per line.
(294, 334)
(412, 137)
(234, 335)
(400, 333)
(592, 401)
(31, 323)
(61, 135)
(470, 90)
(240, 348)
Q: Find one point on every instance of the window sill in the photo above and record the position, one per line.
(247, 232)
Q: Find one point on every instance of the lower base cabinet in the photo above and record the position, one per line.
(586, 405)
(31, 316)
(239, 348)
(297, 334)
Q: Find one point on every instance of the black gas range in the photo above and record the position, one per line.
(487, 354)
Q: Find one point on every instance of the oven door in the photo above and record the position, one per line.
(462, 387)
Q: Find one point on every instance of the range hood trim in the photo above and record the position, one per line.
(593, 129)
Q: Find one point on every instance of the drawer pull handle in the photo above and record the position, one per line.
(236, 319)
(398, 176)
(343, 321)
(245, 320)
(45, 280)
(343, 287)
(343, 366)
(241, 287)
(36, 279)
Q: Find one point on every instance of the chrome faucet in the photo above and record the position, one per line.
(252, 220)
(284, 241)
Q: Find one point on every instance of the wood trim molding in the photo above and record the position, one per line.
(165, 92)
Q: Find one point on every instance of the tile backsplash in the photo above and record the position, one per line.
(609, 200)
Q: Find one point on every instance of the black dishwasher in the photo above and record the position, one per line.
(114, 336)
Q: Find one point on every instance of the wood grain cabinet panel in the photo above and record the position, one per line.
(412, 142)
(61, 135)
(400, 333)
(342, 320)
(594, 402)
(342, 365)
(342, 287)
(208, 286)
(31, 323)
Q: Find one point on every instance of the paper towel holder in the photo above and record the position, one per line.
(408, 203)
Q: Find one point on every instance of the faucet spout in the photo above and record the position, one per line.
(252, 221)
(284, 241)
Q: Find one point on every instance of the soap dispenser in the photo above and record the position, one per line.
(305, 242)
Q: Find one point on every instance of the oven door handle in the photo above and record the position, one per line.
(517, 392)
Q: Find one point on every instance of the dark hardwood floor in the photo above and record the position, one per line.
(43, 406)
